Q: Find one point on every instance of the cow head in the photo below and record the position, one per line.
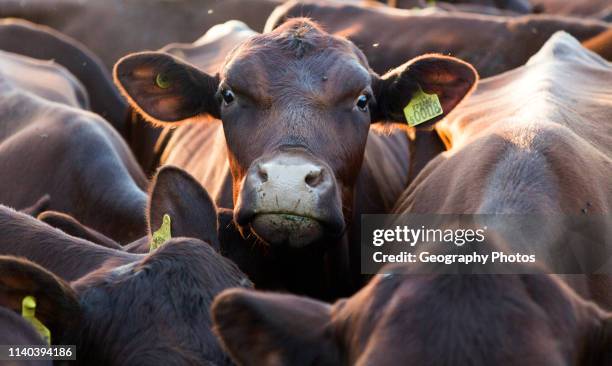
(419, 320)
(151, 311)
(296, 106)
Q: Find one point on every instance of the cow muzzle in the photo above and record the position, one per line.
(291, 199)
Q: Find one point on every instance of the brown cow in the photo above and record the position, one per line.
(296, 107)
(536, 140)
(429, 320)
(120, 308)
(51, 145)
(122, 27)
(40, 42)
(15, 330)
(533, 140)
(492, 44)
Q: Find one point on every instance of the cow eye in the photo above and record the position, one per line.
(228, 96)
(362, 102)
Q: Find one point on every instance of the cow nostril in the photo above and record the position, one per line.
(314, 177)
(262, 174)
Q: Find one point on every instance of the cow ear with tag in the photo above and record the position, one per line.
(39, 296)
(180, 206)
(165, 89)
(423, 90)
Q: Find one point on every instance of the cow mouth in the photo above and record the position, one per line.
(293, 230)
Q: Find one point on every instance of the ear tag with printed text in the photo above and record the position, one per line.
(422, 108)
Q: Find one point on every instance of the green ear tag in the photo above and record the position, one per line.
(28, 312)
(162, 81)
(162, 235)
(422, 107)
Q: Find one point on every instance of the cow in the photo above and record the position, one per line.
(41, 42)
(401, 318)
(50, 144)
(130, 26)
(509, 41)
(535, 140)
(544, 149)
(296, 107)
(120, 308)
(16, 331)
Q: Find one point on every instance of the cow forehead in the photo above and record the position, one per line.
(324, 73)
(300, 53)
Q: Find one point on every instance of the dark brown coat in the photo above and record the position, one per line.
(492, 44)
(401, 318)
(50, 144)
(41, 42)
(335, 134)
(98, 298)
(129, 26)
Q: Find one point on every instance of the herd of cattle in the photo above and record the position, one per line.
(258, 147)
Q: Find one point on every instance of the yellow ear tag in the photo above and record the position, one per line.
(162, 81)
(28, 312)
(422, 107)
(162, 235)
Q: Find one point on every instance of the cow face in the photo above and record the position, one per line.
(419, 320)
(296, 106)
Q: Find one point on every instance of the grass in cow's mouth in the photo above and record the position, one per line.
(289, 216)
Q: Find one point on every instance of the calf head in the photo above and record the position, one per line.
(151, 311)
(156, 310)
(419, 320)
(296, 106)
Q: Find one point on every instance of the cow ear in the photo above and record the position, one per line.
(74, 227)
(259, 328)
(448, 78)
(39, 206)
(190, 209)
(57, 307)
(165, 89)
